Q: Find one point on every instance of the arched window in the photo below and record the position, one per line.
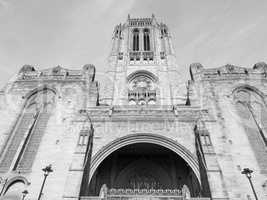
(142, 86)
(146, 40)
(14, 190)
(28, 131)
(253, 112)
(135, 40)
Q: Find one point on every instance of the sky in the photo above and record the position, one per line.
(71, 33)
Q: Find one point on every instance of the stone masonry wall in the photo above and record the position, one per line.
(214, 90)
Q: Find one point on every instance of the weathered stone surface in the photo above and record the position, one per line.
(209, 133)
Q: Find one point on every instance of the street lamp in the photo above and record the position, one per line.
(46, 170)
(24, 193)
(248, 173)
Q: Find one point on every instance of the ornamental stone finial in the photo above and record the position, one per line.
(27, 68)
(260, 66)
(89, 69)
(196, 67)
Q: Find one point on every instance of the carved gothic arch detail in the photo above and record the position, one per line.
(170, 144)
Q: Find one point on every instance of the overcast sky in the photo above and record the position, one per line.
(71, 33)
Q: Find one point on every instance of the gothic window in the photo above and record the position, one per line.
(83, 138)
(205, 138)
(253, 112)
(163, 31)
(146, 40)
(28, 131)
(14, 190)
(135, 40)
(142, 89)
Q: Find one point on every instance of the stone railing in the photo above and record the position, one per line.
(159, 192)
(140, 21)
(90, 198)
(141, 197)
(148, 55)
(40, 76)
(141, 55)
(146, 96)
(141, 194)
(135, 55)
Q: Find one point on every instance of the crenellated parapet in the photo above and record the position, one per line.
(58, 73)
(228, 72)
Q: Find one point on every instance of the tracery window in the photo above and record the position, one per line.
(135, 40)
(14, 190)
(83, 138)
(142, 89)
(22, 146)
(253, 112)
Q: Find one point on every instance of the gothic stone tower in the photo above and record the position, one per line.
(142, 64)
(139, 136)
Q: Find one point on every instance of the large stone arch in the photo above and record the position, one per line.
(13, 180)
(249, 88)
(39, 89)
(170, 144)
(146, 73)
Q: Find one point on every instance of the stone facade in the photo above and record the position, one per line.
(201, 136)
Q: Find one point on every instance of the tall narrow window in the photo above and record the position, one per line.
(135, 40)
(83, 138)
(146, 40)
(256, 109)
(27, 134)
(45, 101)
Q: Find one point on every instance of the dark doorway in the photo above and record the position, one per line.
(144, 166)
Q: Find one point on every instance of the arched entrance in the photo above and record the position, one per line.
(144, 161)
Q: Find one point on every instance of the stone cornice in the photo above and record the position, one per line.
(28, 73)
(137, 113)
(228, 72)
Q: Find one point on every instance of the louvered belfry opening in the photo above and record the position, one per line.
(25, 138)
(135, 40)
(146, 40)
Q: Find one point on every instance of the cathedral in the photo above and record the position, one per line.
(137, 131)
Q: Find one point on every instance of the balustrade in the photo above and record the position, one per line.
(141, 55)
(144, 96)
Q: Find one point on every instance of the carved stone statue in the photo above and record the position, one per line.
(186, 192)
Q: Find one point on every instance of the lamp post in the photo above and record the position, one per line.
(24, 194)
(248, 173)
(46, 170)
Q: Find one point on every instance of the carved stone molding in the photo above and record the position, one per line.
(145, 138)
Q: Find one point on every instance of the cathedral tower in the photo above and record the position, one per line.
(143, 137)
(140, 62)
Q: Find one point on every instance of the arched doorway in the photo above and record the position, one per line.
(143, 161)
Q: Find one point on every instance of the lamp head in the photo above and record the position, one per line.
(25, 192)
(247, 172)
(47, 169)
